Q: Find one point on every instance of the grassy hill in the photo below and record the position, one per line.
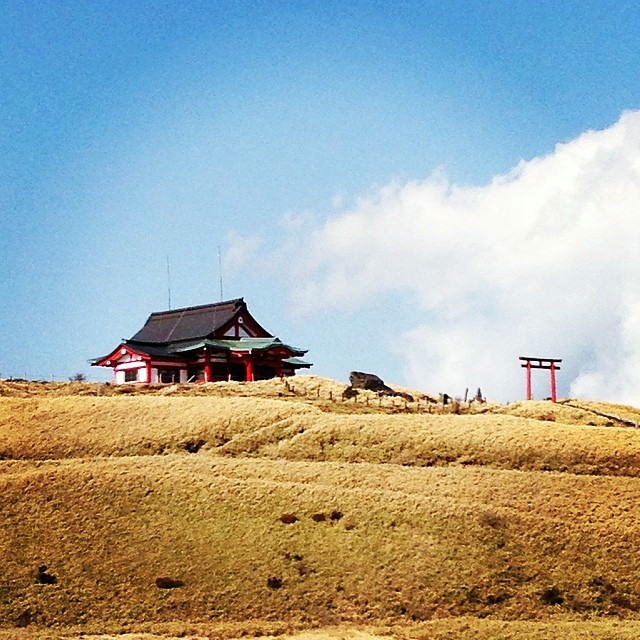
(237, 509)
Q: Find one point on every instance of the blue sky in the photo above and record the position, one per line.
(133, 132)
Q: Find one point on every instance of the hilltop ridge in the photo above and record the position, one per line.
(274, 509)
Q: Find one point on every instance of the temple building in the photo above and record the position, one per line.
(212, 342)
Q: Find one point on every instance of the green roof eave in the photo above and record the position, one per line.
(191, 346)
(298, 362)
(239, 344)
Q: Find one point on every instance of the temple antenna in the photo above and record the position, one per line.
(220, 272)
(169, 282)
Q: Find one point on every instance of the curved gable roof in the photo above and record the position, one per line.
(189, 323)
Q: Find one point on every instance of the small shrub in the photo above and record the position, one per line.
(552, 596)
(43, 577)
(497, 598)
(24, 619)
(318, 517)
(623, 602)
(274, 582)
(288, 518)
(336, 515)
(492, 520)
(168, 583)
(598, 582)
(194, 446)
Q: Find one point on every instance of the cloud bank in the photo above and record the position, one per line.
(543, 261)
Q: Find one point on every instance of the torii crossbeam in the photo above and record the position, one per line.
(541, 363)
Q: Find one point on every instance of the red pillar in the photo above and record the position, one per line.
(207, 366)
(248, 364)
(552, 370)
(528, 380)
(148, 371)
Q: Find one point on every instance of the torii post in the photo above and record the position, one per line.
(541, 363)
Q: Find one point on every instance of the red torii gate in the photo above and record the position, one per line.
(541, 363)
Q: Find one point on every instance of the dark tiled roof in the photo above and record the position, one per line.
(188, 323)
(182, 334)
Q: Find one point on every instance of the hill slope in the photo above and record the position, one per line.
(254, 508)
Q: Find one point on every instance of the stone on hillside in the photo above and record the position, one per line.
(372, 382)
(369, 381)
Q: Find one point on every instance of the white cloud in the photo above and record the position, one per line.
(293, 221)
(337, 202)
(240, 251)
(543, 261)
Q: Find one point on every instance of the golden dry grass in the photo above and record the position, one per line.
(449, 526)
(443, 629)
(295, 388)
(537, 437)
(410, 543)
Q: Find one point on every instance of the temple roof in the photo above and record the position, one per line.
(189, 323)
(184, 334)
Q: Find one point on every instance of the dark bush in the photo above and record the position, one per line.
(624, 602)
(288, 518)
(274, 582)
(492, 520)
(194, 446)
(552, 596)
(24, 619)
(168, 583)
(43, 577)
